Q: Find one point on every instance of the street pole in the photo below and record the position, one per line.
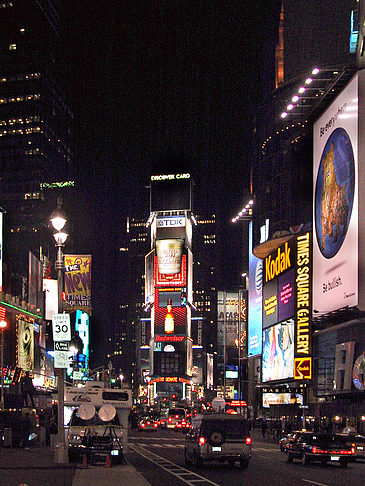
(61, 456)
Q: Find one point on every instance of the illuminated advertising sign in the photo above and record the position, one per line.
(335, 203)
(170, 221)
(50, 287)
(25, 343)
(232, 312)
(270, 304)
(303, 335)
(148, 287)
(255, 300)
(278, 263)
(169, 253)
(78, 282)
(281, 399)
(179, 314)
(169, 280)
(82, 326)
(210, 368)
(286, 295)
(35, 281)
(278, 351)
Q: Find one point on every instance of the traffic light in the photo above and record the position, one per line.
(173, 396)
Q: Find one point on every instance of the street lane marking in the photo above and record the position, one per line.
(164, 464)
(314, 482)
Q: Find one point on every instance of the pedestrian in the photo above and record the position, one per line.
(26, 427)
(53, 430)
(27, 388)
(263, 428)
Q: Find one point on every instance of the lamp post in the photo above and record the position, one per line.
(3, 325)
(58, 220)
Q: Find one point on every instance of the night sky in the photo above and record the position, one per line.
(164, 86)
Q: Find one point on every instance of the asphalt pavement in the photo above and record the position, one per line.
(36, 467)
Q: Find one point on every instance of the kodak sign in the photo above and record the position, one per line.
(275, 265)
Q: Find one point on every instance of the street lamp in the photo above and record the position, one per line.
(58, 220)
(3, 325)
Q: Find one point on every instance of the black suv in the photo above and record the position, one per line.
(312, 446)
(218, 437)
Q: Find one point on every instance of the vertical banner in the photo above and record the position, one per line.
(335, 203)
(255, 301)
(78, 283)
(25, 343)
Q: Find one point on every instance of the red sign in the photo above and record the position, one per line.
(237, 403)
(165, 280)
(2, 313)
(174, 339)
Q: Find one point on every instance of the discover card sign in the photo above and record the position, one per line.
(335, 203)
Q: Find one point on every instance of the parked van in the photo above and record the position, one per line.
(98, 421)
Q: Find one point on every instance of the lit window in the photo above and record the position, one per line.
(12, 47)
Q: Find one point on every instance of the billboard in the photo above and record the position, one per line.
(25, 343)
(255, 301)
(78, 283)
(278, 351)
(281, 399)
(335, 203)
(232, 313)
(50, 287)
(148, 287)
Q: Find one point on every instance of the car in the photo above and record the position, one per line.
(183, 425)
(357, 441)
(319, 447)
(162, 421)
(218, 437)
(284, 441)
(148, 423)
(174, 416)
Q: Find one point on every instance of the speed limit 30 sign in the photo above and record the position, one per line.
(61, 327)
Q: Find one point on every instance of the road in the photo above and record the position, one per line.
(159, 456)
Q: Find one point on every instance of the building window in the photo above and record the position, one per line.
(12, 47)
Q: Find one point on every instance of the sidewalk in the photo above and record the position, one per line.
(36, 467)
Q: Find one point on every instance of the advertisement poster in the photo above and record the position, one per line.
(78, 283)
(231, 315)
(25, 342)
(278, 351)
(255, 302)
(335, 203)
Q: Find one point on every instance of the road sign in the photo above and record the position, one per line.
(303, 368)
(61, 327)
(61, 355)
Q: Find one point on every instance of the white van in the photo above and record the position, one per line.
(98, 421)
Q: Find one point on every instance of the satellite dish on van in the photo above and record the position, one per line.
(218, 404)
(86, 411)
(107, 412)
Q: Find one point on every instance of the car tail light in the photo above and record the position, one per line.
(248, 440)
(352, 450)
(314, 450)
(143, 426)
(169, 419)
(201, 440)
(155, 425)
(176, 416)
(148, 423)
